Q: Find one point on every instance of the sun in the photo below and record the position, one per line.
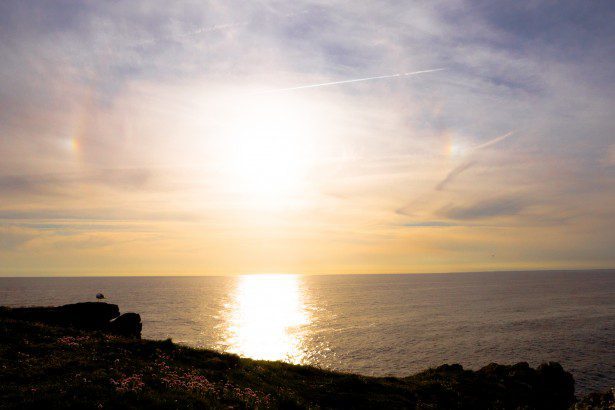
(269, 149)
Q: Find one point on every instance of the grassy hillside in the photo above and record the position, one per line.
(44, 366)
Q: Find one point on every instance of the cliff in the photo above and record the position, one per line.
(63, 365)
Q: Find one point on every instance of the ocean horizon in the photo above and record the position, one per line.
(380, 325)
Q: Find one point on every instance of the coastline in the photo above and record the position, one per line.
(55, 365)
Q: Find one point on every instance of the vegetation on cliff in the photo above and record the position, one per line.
(48, 366)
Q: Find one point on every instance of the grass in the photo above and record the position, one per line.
(44, 366)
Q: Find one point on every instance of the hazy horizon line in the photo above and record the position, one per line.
(317, 274)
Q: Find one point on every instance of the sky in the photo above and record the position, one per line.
(225, 137)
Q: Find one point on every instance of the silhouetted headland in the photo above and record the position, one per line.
(87, 355)
(87, 315)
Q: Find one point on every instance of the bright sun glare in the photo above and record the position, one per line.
(270, 149)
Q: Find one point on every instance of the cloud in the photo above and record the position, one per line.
(467, 165)
(454, 173)
(121, 179)
(12, 184)
(609, 156)
(484, 209)
(96, 214)
(12, 237)
(429, 224)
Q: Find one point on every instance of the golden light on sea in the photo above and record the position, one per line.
(265, 318)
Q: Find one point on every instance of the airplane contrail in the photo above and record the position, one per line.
(493, 141)
(355, 80)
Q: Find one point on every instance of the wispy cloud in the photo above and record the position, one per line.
(121, 179)
(429, 224)
(489, 208)
(455, 172)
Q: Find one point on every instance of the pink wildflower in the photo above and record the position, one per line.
(126, 384)
(72, 341)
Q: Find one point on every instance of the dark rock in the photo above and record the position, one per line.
(128, 324)
(557, 385)
(452, 368)
(88, 315)
(496, 386)
(549, 386)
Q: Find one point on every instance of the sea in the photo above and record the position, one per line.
(380, 325)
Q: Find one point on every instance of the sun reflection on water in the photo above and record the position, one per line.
(266, 318)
